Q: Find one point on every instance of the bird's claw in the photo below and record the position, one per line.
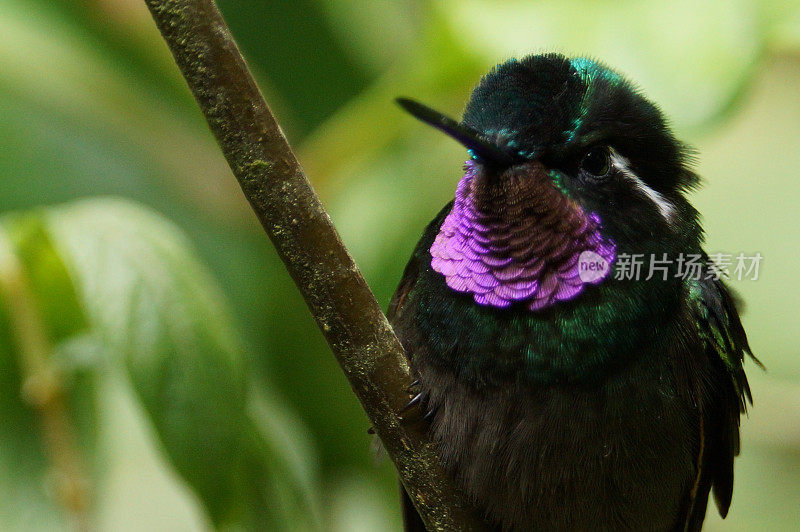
(410, 387)
(418, 403)
(417, 399)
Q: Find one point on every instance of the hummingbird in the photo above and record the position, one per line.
(562, 391)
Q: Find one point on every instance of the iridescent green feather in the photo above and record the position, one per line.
(719, 326)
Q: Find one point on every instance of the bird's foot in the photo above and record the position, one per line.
(418, 408)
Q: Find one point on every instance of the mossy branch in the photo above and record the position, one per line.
(367, 349)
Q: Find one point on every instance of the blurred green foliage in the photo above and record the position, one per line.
(204, 396)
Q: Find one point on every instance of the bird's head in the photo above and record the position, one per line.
(569, 164)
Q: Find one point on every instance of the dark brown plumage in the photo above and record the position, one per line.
(615, 409)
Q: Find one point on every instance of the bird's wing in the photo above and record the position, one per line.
(407, 282)
(721, 392)
(412, 522)
(420, 258)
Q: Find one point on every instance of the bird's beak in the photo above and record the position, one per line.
(480, 147)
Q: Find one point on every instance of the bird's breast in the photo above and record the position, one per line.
(613, 456)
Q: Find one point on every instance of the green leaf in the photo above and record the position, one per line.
(32, 448)
(27, 505)
(141, 306)
(47, 276)
(159, 312)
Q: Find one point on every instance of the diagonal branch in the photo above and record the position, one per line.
(337, 295)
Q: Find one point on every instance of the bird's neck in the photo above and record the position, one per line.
(578, 340)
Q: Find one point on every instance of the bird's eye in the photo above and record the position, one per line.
(597, 161)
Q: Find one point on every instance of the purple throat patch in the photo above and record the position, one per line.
(521, 240)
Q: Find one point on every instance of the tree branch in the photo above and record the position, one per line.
(335, 291)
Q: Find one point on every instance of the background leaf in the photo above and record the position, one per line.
(153, 306)
(31, 450)
(143, 310)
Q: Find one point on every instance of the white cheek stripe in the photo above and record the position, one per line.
(666, 208)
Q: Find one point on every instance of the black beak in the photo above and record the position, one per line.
(482, 148)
